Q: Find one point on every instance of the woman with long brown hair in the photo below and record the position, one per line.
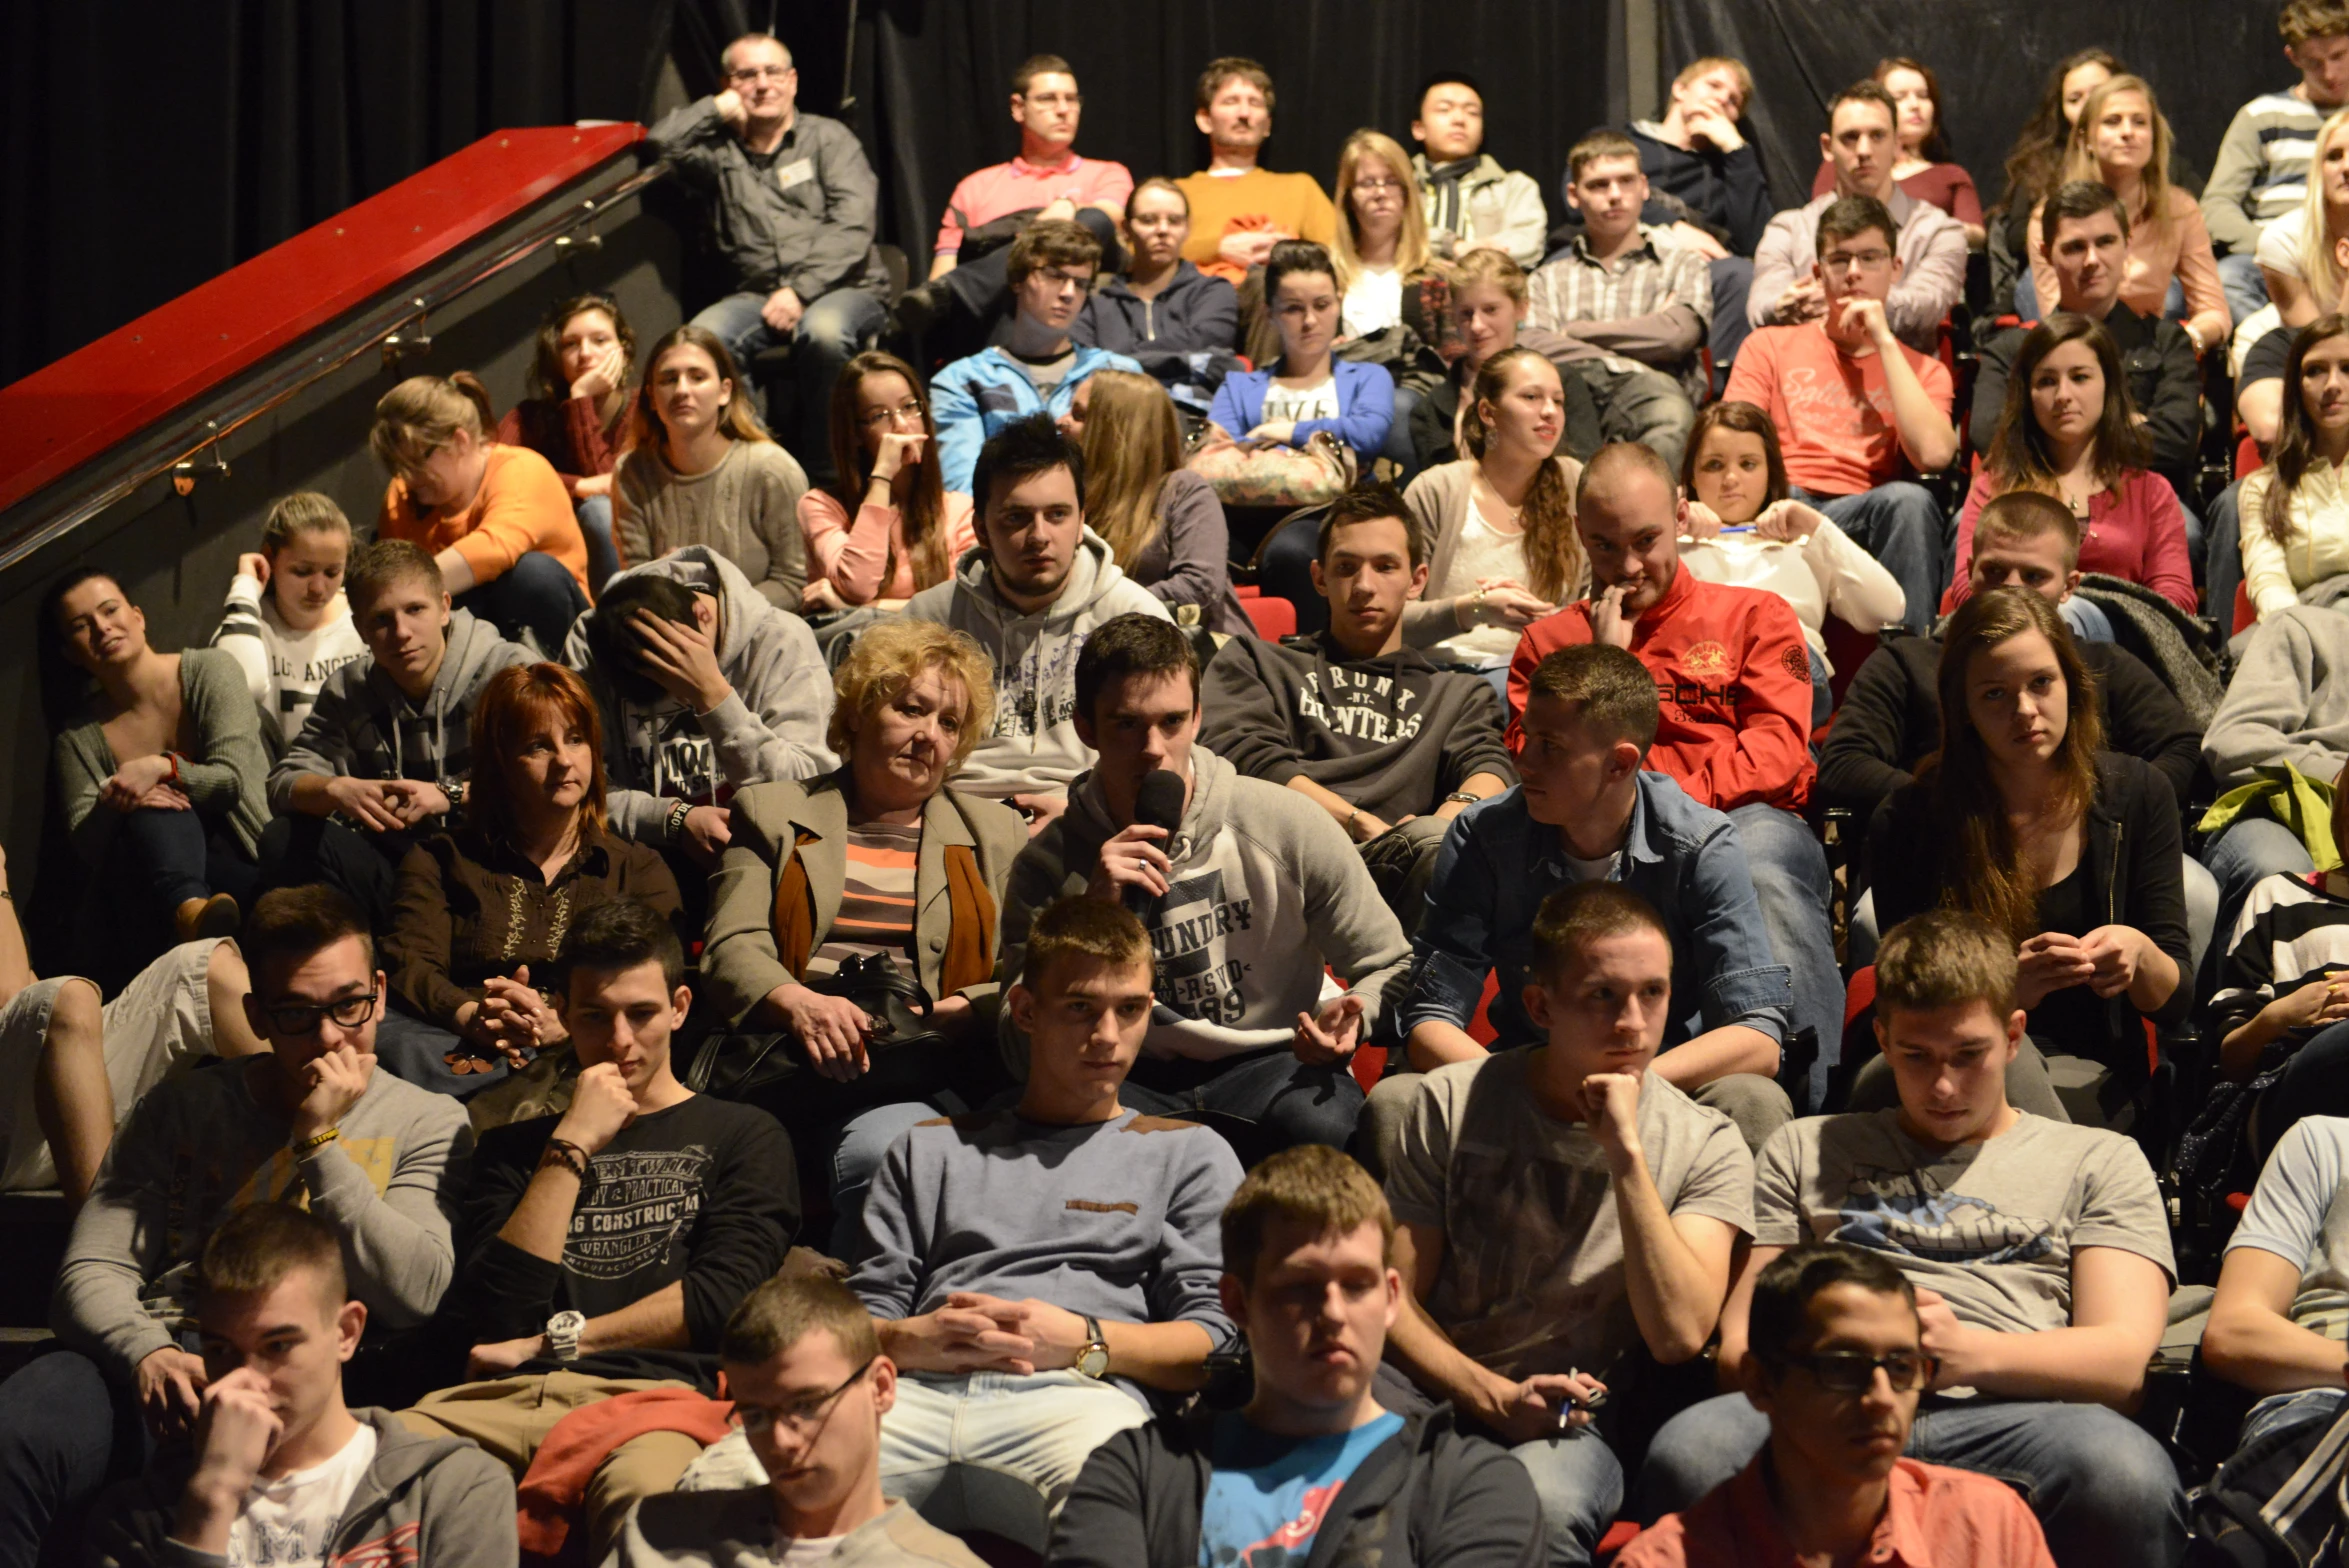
(2295, 511)
(2070, 431)
(2022, 818)
(482, 908)
(1162, 522)
(889, 527)
(579, 381)
(2035, 163)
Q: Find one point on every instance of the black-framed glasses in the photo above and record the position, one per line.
(294, 1022)
(803, 1415)
(1849, 1372)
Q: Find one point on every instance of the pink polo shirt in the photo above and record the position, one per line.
(1934, 1517)
(1002, 189)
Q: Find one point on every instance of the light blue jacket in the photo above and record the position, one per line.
(1366, 407)
(977, 397)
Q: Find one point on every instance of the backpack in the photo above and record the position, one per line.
(2280, 1502)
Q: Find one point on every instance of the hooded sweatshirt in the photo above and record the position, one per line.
(1266, 891)
(1034, 748)
(2288, 702)
(769, 729)
(437, 1500)
(365, 727)
(1183, 335)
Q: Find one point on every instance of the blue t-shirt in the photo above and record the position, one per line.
(1269, 1494)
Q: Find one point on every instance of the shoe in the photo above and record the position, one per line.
(202, 919)
(917, 310)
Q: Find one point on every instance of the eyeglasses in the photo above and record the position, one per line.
(759, 73)
(803, 1415)
(883, 416)
(1377, 187)
(1848, 1372)
(294, 1022)
(1865, 260)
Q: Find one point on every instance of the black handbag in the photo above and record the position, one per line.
(750, 1066)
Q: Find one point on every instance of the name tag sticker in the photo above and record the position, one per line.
(797, 172)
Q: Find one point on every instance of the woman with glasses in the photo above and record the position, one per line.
(482, 909)
(888, 527)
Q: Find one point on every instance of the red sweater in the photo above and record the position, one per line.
(1735, 683)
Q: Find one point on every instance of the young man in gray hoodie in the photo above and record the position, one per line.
(1037, 585)
(704, 688)
(1247, 899)
(282, 1470)
(385, 753)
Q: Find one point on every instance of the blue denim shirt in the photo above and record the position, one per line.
(1498, 864)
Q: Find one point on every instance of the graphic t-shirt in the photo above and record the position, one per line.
(1269, 1494)
(1992, 1226)
(1833, 411)
(289, 1522)
(672, 754)
(1298, 404)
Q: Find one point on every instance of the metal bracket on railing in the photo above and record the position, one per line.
(184, 472)
(408, 342)
(572, 244)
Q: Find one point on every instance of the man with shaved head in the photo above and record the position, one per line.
(1733, 676)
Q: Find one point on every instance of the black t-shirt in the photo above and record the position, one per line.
(705, 1192)
(2073, 1021)
(2267, 358)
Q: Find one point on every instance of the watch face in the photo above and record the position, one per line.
(1093, 1360)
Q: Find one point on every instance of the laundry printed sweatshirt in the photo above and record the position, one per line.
(285, 668)
(1034, 748)
(1266, 892)
(770, 729)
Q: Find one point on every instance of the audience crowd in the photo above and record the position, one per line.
(775, 966)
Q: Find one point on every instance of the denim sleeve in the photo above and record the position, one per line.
(1742, 980)
(1452, 950)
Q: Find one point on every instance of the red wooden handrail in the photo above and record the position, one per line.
(71, 411)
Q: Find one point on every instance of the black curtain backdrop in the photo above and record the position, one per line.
(2204, 59)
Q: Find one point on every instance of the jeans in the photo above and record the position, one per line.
(1402, 861)
(1791, 880)
(2088, 622)
(430, 1057)
(2222, 556)
(2202, 903)
(1645, 406)
(2248, 849)
(833, 329)
(537, 594)
(2245, 286)
(864, 1143)
(2315, 1082)
(1580, 1483)
(2104, 1491)
(1262, 1101)
(297, 850)
(179, 855)
(1398, 449)
(996, 1451)
(595, 526)
(1900, 524)
(1732, 279)
(65, 1433)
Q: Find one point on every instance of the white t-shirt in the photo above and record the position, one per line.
(289, 1522)
(1374, 302)
(1483, 551)
(1298, 404)
(2279, 243)
(806, 1551)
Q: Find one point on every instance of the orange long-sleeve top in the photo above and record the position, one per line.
(521, 506)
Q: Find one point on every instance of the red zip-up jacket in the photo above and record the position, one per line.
(1735, 682)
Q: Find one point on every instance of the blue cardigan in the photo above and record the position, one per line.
(1366, 406)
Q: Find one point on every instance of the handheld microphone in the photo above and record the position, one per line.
(1158, 803)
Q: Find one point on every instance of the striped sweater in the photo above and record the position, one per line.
(2262, 168)
(2293, 929)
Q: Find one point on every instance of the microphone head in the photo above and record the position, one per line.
(1159, 801)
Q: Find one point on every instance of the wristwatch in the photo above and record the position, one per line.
(1093, 1360)
(562, 1335)
(1462, 797)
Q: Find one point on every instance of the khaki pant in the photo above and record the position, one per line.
(511, 1416)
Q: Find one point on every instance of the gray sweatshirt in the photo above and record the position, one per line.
(1266, 891)
(2289, 700)
(364, 727)
(771, 728)
(199, 1147)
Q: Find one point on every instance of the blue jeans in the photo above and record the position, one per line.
(833, 329)
(2222, 557)
(180, 855)
(864, 1142)
(419, 1051)
(1900, 524)
(537, 594)
(1732, 279)
(595, 526)
(1398, 449)
(2104, 1490)
(2244, 284)
(2088, 622)
(65, 1433)
(1262, 1102)
(1580, 1483)
(1791, 881)
(2249, 849)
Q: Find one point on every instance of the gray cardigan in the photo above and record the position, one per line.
(1187, 560)
(225, 779)
(1439, 505)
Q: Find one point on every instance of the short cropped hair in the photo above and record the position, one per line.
(1779, 1317)
(303, 512)
(1489, 269)
(1051, 242)
(1129, 645)
(1435, 79)
(1367, 502)
(1223, 69)
(618, 936)
(2301, 20)
(1081, 927)
(1611, 690)
(887, 658)
(1720, 62)
(1613, 463)
(784, 1309)
(1945, 958)
(1597, 145)
(1866, 90)
(1019, 452)
(1573, 918)
(1036, 65)
(2077, 199)
(2026, 514)
(726, 55)
(388, 562)
(288, 924)
(614, 642)
(1848, 217)
(257, 1246)
(1315, 1186)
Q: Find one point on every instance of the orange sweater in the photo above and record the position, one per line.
(521, 506)
(1260, 199)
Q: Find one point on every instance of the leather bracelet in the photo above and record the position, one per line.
(309, 1145)
(563, 1152)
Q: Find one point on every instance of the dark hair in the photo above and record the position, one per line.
(1051, 242)
(1081, 927)
(1019, 452)
(1746, 419)
(1611, 690)
(2295, 446)
(2034, 165)
(1295, 257)
(1866, 90)
(258, 1245)
(514, 697)
(2026, 514)
(1223, 68)
(53, 601)
(1368, 501)
(1573, 918)
(619, 935)
(924, 512)
(613, 642)
(1849, 216)
(2019, 459)
(1780, 1316)
(1036, 65)
(1312, 1184)
(1936, 146)
(1128, 645)
(546, 365)
(389, 561)
(2075, 200)
(784, 1309)
(1945, 958)
(290, 923)
(1435, 79)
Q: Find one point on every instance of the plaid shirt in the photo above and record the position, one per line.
(1644, 282)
